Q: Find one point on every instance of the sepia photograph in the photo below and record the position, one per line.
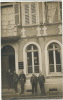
(31, 50)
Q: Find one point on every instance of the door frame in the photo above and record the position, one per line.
(15, 46)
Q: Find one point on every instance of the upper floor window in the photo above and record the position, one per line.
(32, 59)
(7, 20)
(54, 57)
(17, 13)
(52, 11)
(30, 13)
(60, 10)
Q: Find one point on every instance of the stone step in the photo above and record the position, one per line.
(19, 97)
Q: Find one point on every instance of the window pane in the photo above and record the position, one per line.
(50, 46)
(29, 47)
(34, 47)
(56, 45)
(51, 68)
(36, 60)
(29, 62)
(57, 53)
(36, 68)
(29, 69)
(29, 58)
(58, 68)
(51, 60)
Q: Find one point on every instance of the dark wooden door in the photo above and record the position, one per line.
(8, 62)
(5, 67)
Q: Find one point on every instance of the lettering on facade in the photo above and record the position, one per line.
(20, 65)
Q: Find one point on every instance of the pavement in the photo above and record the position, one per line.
(11, 95)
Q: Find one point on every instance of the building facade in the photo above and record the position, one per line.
(31, 40)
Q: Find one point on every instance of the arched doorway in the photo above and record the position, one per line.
(7, 62)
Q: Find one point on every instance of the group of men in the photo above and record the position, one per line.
(13, 81)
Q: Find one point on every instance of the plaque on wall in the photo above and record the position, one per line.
(20, 65)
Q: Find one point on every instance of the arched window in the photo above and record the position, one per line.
(32, 59)
(54, 57)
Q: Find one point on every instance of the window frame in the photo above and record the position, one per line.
(47, 59)
(32, 51)
(25, 58)
(19, 8)
(54, 57)
(30, 17)
(46, 12)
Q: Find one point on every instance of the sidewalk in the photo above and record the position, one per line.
(11, 95)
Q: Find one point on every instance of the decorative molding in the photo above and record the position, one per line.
(44, 29)
(23, 33)
(60, 29)
(38, 29)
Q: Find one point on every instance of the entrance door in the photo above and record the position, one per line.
(8, 62)
(5, 67)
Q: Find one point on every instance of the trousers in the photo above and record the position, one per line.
(34, 88)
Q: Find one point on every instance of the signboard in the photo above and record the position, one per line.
(20, 65)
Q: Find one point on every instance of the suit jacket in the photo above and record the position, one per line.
(41, 79)
(22, 78)
(9, 76)
(15, 77)
(33, 79)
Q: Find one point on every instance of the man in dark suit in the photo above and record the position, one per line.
(34, 83)
(9, 78)
(15, 81)
(41, 80)
(22, 79)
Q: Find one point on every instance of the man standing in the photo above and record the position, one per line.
(15, 81)
(41, 80)
(22, 79)
(34, 83)
(9, 79)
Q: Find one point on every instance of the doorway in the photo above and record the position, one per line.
(7, 62)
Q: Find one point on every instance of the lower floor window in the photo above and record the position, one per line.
(54, 57)
(32, 59)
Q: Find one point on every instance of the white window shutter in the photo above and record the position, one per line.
(26, 14)
(30, 13)
(17, 13)
(52, 13)
(33, 13)
(60, 10)
(37, 13)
